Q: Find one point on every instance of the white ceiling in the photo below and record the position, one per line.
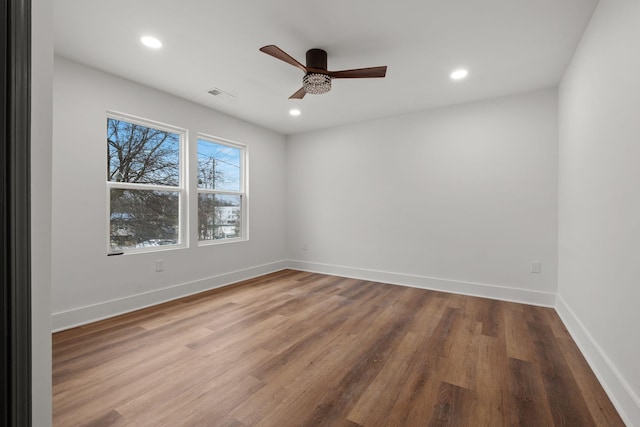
(508, 46)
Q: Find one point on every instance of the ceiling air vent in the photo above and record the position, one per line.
(221, 94)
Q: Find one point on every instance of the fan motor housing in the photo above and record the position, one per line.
(317, 58)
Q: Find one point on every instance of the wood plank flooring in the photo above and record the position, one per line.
(303, 349)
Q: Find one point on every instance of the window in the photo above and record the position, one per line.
(221, 190)
(145, 182)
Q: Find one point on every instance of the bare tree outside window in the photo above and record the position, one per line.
(143, 171)
(142, 154)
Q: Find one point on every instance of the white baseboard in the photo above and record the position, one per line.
(82, 315)
(432, 283)
(622, 396)
(87, 314)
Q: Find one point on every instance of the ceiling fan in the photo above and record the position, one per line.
(317, 79)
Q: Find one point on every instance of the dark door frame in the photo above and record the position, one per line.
(15, 213)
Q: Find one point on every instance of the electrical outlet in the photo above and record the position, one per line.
(159, 265)
(305, 247)
(536, 267)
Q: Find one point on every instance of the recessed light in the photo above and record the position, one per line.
(459, 74)
(294, 112)
(151, 42)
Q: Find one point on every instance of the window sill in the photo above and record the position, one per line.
(146, 250)
(221, 241)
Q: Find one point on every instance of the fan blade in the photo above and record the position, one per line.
(276, 52)
(299, 94)
(359, 73)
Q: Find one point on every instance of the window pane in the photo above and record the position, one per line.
(144, 218)
(219, 216)
(218, 166)
(142, 154)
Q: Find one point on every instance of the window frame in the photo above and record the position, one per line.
(243, 192)
(181, 189)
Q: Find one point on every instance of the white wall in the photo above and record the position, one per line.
(86, 283)
(41, 125)
(599, 209)
(461, 198)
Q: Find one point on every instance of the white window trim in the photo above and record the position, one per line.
(244, 189)
(183, 223)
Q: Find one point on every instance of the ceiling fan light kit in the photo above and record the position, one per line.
(317, 78)
(316, 83)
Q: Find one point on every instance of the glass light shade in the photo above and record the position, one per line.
(316, 83)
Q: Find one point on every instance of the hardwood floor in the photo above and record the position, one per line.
(304, 349)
